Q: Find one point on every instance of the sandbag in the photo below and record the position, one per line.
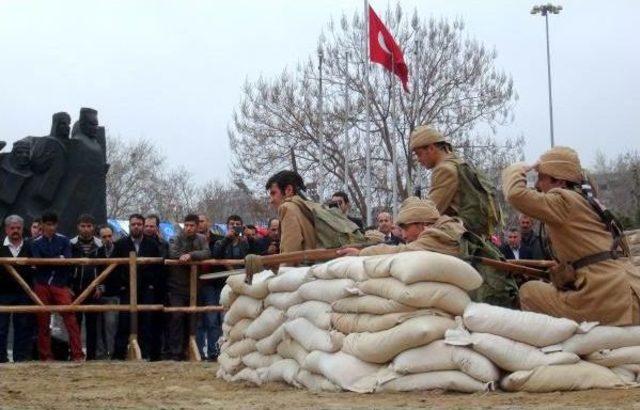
(363, 322)
(615, 357)
(269, 345)
(374, 305)
(238, 330)
(437, 356)
(381, 347)
(256, 360)
(247, 375)
(283, 300)
(221, 374)
(265, 324)
(506, 353)
(347, 267)
(602, 337)
(326, 290)
(313, 338)
(628, 372)
(290, 349)
(284, 370)
(289, 279)
(449, 380)
(424, 266)
(578, 376)
(316, 312)
(419, 295)
(227, 297)
(244, 307)
(346, 371)
(534, 329)
(315, 382)
(258, 288)
(230, 365)
(241, 348)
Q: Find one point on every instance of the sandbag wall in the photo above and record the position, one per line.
(405, 322)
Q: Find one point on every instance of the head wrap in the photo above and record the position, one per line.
(561, 163)
(425, 135)
(374, 236)
(415, 210)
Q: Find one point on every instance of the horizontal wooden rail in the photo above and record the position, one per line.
(117, 261)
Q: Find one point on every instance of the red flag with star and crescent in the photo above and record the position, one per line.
(384, 50)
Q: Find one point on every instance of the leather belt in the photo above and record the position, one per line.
(595, 258)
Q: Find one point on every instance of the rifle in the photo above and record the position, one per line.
(534, 263)
(255, 263)
(520, 269)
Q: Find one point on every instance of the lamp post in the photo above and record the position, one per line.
(544, 10)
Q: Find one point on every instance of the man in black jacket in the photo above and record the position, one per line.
(143, 247)
(514, 248)
(11, 293)
(86, 245)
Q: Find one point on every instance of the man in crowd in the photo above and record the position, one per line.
(529, 238)
(52, 287)
(11, 293)
(341, 200)
(385, 226)
(514, 248)
(86, 245)
(591, 282)
(186, 247)
(270, 244)
(286, 193)
(143, 246)
(35, 229)
(107, 322)
(152, 230)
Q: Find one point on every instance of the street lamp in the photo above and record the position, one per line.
(544, 10)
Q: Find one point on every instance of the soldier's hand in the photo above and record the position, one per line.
(348, 252)
(563, 276)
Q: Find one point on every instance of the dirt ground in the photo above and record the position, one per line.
(193, 385)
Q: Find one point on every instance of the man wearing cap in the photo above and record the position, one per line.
(434, 152)
(590, 283)
(423, 228)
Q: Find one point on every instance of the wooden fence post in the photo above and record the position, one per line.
(133, 350)
(193, 354)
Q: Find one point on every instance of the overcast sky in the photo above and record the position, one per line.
(172, 71)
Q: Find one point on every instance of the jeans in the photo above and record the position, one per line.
(107, 326)
(209, 323)
(57, 295)
(90, 323)
(23, 329)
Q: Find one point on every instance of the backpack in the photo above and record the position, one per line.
(333, 228)
(479, 208)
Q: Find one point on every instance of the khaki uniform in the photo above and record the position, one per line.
(607, 291)
(296, 226)
(443, 237)
(445, 185)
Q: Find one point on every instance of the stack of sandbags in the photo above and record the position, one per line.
(244, 319)
(633, 238)
(539, 353)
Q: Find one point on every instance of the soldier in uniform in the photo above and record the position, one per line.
(286, 192)
(591, 281)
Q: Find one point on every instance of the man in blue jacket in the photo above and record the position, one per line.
(52, 285)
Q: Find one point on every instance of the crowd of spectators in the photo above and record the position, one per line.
(162, 336)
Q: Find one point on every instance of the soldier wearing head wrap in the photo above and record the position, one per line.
(591, 282)
(424, 229)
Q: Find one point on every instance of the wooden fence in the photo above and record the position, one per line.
(133, 307)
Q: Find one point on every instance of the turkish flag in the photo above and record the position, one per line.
(383, 49)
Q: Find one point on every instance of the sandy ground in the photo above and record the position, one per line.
(193, 385)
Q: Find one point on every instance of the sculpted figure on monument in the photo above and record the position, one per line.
(14, 173)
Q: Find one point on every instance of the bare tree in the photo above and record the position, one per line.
(454, 87)
(219, 200)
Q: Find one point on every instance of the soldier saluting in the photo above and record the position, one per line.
(591, 281)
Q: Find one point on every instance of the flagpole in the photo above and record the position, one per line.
(368, 119)
(320, 125)
(394, 159)
(346, 123)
